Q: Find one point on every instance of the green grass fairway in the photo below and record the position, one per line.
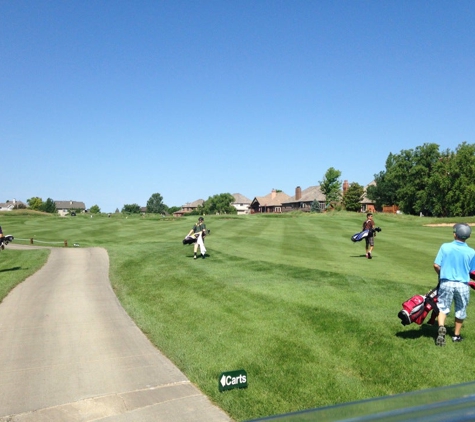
(16, 266)
(288, 298)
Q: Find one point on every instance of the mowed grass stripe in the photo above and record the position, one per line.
(289, 298)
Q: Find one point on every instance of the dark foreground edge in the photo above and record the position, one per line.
(453, 403)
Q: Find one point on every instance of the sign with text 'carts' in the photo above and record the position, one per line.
(232, 379)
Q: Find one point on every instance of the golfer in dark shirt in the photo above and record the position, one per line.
(369, 225)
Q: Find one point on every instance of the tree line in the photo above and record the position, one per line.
(36, 203)
(420, 181)
(427, 181)
(220, 203)
(423, 181)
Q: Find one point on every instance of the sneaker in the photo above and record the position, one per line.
(194, 257)
(457, 339)
(369, 255)
(203, 255)
(441, 336)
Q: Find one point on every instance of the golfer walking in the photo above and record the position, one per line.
(369, 225)
(199, 231)
(454, 263)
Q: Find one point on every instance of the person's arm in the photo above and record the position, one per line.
(437, 268)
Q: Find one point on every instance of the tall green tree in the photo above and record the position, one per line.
(155, 204)
(405, 180)
(353, 196)
(378, 194)
(460, 172)
(220, 203)
(172, 209)
(315, 207)
(95, 209)
(35, 203)
(131, 209)
(414, 175)
(331, 186)
(425, 180)
(48, 206)
(439, 187)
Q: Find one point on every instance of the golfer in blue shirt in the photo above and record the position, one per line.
(453, 263)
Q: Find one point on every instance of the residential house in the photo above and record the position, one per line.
(241, 203)
(367, 205)
(303, 199)
(65, 207)
(271, 203)
(188, 207)
(11, 205)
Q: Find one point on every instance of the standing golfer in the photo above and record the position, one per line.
(454, 263)
(199, 230)
(369, 225)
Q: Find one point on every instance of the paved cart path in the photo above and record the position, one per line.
(69, 352)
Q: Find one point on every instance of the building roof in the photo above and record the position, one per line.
(193, 204)
(241, 199)
(70, 205)
(272, 199)
(12, 204)
(308, 195)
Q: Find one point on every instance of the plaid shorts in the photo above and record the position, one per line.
(450, 291)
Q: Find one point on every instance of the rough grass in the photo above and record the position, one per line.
(290, 299)
(16, 266)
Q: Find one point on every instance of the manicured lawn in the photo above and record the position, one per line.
(289, 298)
(16, 265)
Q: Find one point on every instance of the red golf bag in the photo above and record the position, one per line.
(417, 308)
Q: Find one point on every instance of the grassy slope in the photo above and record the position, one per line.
(16, 266)
(290, 299)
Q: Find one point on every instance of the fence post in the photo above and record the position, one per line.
(65, 243)
(31, 241)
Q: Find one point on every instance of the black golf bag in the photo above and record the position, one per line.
(188, 240)
(5, 240)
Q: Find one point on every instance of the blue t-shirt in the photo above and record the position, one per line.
(456, 260)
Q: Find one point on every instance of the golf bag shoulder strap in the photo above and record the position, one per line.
(435, 309)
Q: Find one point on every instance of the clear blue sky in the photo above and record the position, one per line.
(110, 101)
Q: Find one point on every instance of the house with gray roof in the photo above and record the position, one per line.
(11, 205)
(65, 207)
